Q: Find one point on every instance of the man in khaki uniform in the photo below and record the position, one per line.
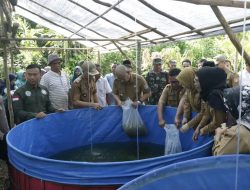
(129, 85)
(232, 78)
(170, 96)
(84, 88)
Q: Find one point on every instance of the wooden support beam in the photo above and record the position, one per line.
(44, 48)
(181, 22)
(224, 3)
(99, 16)
(49, 21)
(132, 18)
(69, 19)
(104, 18)
(69, 39)
(230, 33)
(122, 52)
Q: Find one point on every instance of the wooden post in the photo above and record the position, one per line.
(10, 108)
(99, 57)
(12, 69)
(230, 33)
(138, 57)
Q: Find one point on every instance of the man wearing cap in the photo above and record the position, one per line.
(57, 83)
(32, 99)
(232, 78)
(84, 91)
(130, 85)
(157, 80)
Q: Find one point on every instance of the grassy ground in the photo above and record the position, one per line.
(3, 175)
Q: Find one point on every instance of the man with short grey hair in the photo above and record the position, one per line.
(232, 78)
(57, 83)
(130, 85)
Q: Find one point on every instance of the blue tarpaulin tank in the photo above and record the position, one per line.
(32, 142)
(229, 172)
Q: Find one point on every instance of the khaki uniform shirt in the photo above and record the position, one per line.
(217, 118)
(28, 101)
(83, 90)
(171, 97)
(130, 89)
(232, 78)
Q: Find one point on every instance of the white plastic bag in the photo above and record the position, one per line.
(131, 120)
(172, 141)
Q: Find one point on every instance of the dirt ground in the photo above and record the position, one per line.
(3, 176)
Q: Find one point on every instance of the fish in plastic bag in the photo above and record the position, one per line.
(172, 141)
(131, 120)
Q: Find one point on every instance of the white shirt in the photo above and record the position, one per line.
(58, 87)
(103, 88)
(245, 77)
(111, 78)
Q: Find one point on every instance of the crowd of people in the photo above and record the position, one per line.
(212, 90)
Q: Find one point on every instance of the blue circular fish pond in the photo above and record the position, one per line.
(31, 143)
(229, 172)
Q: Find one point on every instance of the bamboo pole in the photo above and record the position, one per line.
(67, 39)
(138, 56)
(122, 52)
(224, 3)
(9, 100)
(230, 33)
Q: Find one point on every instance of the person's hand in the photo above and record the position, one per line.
(162, 123)
(41, 115)
(196, 134)
(135, 104)
(219, 132)
(97, 106)
(184, 121)
(184, 128)
(60, 110)
(119, 103)
(177, 121)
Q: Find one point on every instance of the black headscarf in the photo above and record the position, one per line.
(232, 100)
(212, 82)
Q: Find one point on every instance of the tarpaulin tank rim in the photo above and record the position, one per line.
(31, 143)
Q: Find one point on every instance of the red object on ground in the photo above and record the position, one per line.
(21, 181)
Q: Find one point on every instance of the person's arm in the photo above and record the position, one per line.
(77, 103)
(19, 111)
(196, 120)
(49, 106)
(160, 107)
(179, 112)
(218, 117)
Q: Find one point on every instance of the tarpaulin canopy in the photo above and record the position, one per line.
(149, 21)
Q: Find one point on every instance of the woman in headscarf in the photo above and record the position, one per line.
(227, 139)
(77, 72)
(20, 79)
(210, 82)
(191, 100)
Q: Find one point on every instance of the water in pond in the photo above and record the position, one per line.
(111, 152)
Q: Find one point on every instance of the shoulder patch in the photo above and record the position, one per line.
(27, 93)
(15, 98)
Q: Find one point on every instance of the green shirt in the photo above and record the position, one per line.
(28, 101)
